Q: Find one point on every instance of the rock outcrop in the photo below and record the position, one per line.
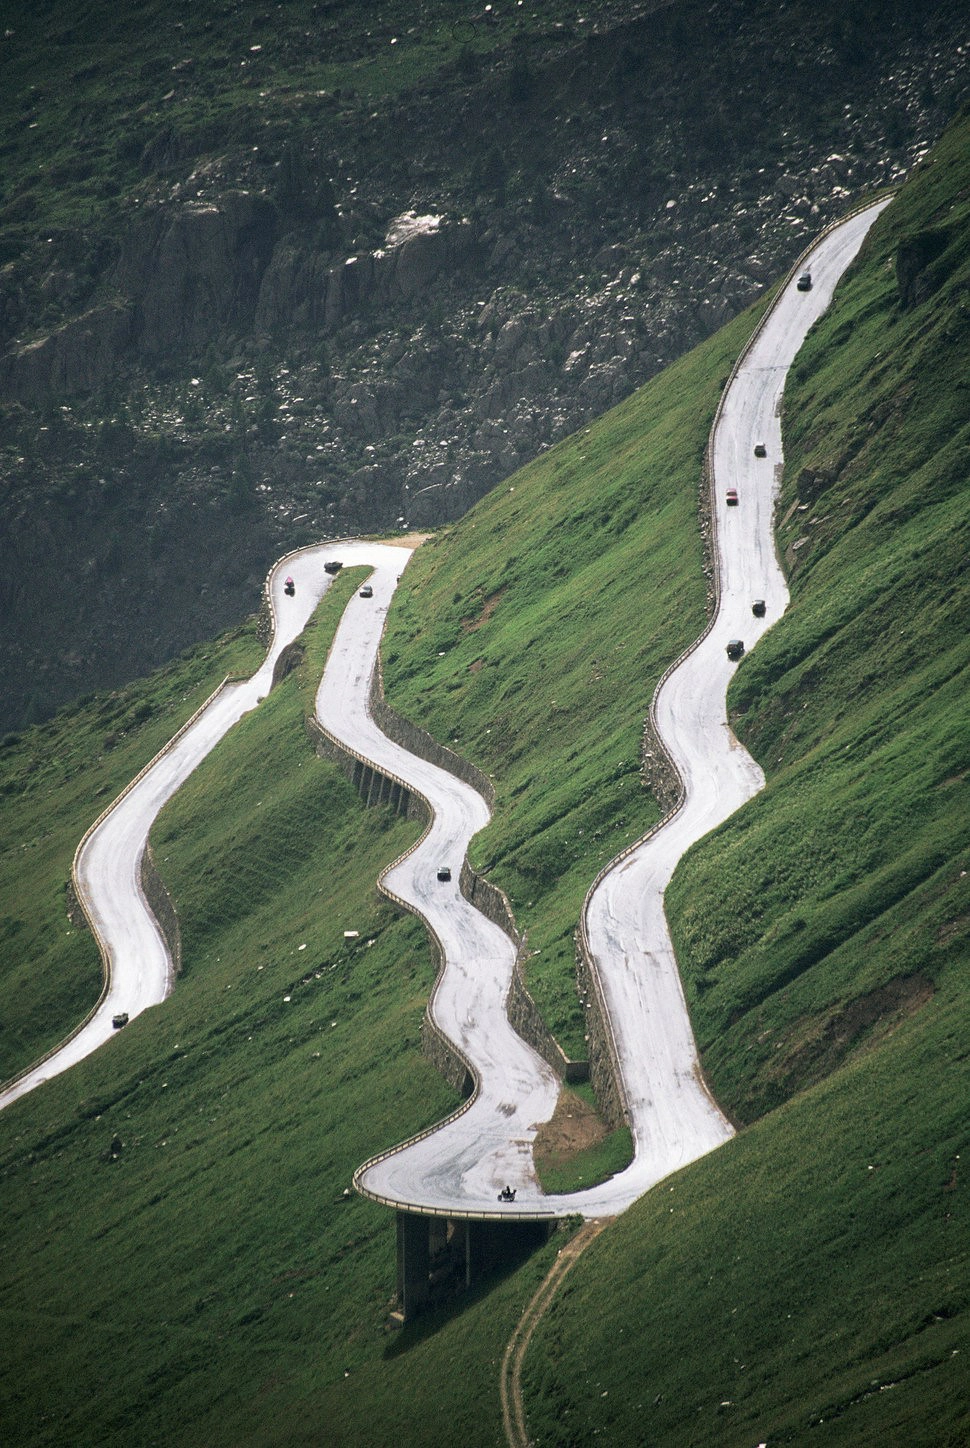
(78, 357)
(194, 270)
(323, 313)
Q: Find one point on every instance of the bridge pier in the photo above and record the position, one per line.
(439, 1256)
(413, 1263)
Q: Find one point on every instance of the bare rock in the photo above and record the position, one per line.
(197, 269)
(77, 357)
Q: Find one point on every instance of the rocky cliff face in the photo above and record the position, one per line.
(373, 313)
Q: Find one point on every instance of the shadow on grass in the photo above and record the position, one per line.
(512, 1246)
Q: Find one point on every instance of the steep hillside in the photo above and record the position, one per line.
(532, 634)
(54, 783)
(181, 1264)
(857, 706)
(224, 1284)
(267, 273)
(815, 1274)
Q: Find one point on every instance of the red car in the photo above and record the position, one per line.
(732, 497)
(289, 587)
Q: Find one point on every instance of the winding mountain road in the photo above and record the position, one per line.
(672, 1116)
(109, 859)
(458, 1168)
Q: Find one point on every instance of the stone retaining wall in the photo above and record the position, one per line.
(418, 741)
(526, 1018)
(603, 1069)
(160, 903)
(442, 1055)
(492, 902)
(290, 658)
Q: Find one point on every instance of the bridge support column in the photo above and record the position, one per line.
(413, 1263)
(376, 785)
(437, 1256)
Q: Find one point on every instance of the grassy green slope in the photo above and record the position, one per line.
(149, 1298)
(532, 635)
(212, 1284)
(811, 1282)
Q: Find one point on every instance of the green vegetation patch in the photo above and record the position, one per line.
(589, 1167)
(808, 1282)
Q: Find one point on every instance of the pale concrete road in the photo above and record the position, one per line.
(673, 1118)
(464, 1164)
(108, 865)
(459, 1168)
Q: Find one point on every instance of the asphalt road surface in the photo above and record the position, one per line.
(673, 1118)
(460, 1167)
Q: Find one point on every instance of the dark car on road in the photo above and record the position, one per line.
(121, 1019)
(758, 608)
(367, 591)
(444, 872)
(804, 283)
(732, 497)
(735, 649)
(760, 451)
